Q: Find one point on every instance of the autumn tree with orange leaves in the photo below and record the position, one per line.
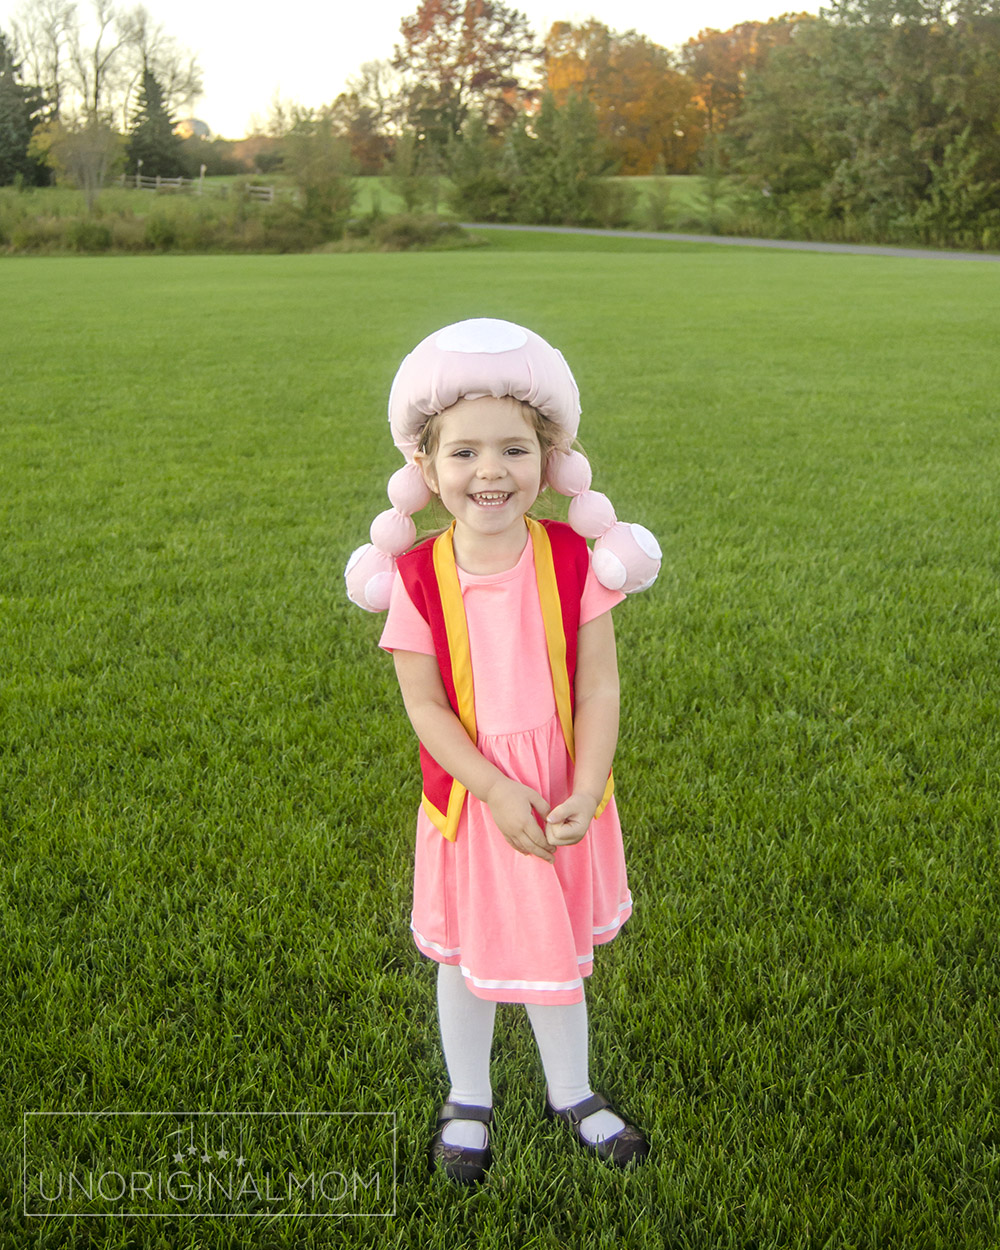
(645, 112)
(717, 63)
(461, 55)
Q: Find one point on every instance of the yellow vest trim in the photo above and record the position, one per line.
(457, 629)
(447, 822)
(609, 790)
(555, 641)
(555, 635)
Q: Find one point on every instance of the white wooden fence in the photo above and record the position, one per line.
(138, 183)
(190, 186)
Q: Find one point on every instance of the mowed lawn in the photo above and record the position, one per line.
(208, 786)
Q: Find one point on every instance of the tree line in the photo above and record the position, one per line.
(879, 120)
(82, 92)
(875, 119)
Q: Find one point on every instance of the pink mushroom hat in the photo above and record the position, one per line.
(469, 360)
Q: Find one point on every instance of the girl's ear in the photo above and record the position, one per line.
(425, 464)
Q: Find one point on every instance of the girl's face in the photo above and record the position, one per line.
(487, 468)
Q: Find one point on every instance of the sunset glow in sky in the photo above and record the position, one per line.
(304, 50)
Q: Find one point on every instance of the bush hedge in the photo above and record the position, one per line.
(52, 224)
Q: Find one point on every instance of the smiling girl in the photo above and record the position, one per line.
(504, 648)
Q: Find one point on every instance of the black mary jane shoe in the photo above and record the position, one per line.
(623, 1148)
(463, 1164)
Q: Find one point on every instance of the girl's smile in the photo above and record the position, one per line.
(487, 469)
(492, 500)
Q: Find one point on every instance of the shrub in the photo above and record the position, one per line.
(88, 236)
(319, 162)
(363, 227)
(12, 215)
(610, 204)
(407, 230)
(288, 229)
(38, 234)
(484, 196)
(128, 234)
(161, 233)
(654, 211)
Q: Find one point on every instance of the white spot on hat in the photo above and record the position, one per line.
(481, 334)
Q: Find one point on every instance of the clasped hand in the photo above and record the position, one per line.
(516, 809)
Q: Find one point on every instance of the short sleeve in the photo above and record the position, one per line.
(405, 629)
(596, 599)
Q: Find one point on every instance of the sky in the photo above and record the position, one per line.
(304, 50)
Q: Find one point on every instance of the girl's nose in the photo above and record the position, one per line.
(490, 467)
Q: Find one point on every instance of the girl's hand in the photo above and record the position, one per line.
(567, 823)
(513, 807)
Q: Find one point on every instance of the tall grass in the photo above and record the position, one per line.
(208, 783)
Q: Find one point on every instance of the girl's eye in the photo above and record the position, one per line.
(517, 451)
(463, 453)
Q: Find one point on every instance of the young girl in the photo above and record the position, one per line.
(502, 638)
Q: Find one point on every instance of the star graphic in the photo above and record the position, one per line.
(192, 1150)
(240, 1161)
(206, 1158)
(178, 1157)
(223, 1153)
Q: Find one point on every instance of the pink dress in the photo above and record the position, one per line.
(521, 930)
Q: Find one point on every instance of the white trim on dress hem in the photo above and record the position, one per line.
(484, 984)
(441, 950)
(447, 953)
(618, 921)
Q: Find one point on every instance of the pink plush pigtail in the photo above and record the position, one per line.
(371, 568)
(626, 557)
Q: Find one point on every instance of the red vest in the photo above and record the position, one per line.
(430, 576)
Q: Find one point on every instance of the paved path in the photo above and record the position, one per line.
(790, 245)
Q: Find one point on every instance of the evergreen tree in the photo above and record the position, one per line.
(151, 135)
(407, 176)
(555, 163)
(480, 190)
(20, 110)
(318, 160)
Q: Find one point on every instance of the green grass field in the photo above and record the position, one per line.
(208, 786)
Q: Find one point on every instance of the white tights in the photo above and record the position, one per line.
(467, 1036)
